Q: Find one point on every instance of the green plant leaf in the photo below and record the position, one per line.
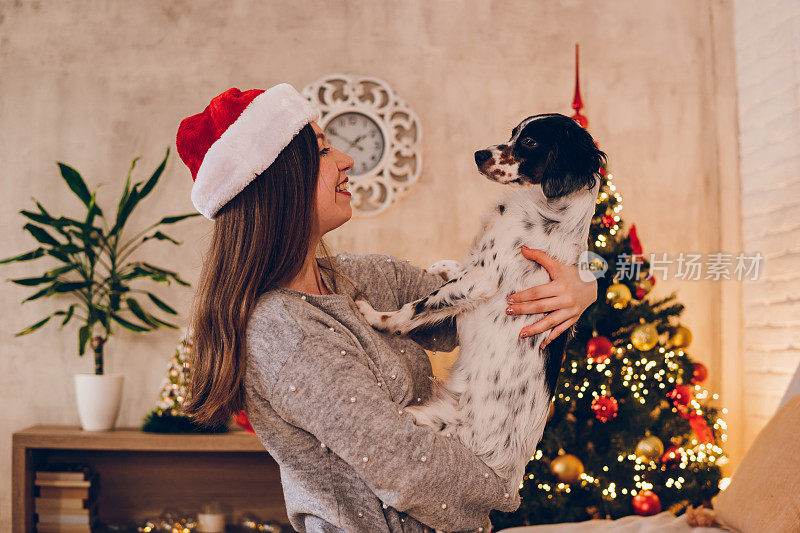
(27, 256)
(75, 183)
(70, 286)
(68, 315)
(30, 282)
(137, 310)
(34, 327)
(44, 292)
(61, 256)
(83, 335)
(45, 219)
(161, 305)
(167, 324)
(62, 270)
(169, 273)
(135, 195)
(127, 189)
(177, 218)
(69, 248)
(94, 210)
(161, 237)
(154, 178)
(129, 325)
(40, 234)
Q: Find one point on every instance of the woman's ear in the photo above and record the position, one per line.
(573, 164)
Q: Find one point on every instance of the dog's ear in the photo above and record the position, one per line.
(573, 163)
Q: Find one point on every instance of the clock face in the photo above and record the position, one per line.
(358, 136)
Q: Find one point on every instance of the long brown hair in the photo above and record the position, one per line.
(260, 240)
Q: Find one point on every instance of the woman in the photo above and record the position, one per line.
(276, 331)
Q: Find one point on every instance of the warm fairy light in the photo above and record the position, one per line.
(724, 482)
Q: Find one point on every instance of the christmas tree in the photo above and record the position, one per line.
(631, 428)
(168, 417)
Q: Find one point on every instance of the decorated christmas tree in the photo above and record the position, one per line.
(631, 429)
(168, 417)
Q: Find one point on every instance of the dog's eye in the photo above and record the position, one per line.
(528, 142)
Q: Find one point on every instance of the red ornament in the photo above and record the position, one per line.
(599, 348)
(636, 245)
(699, 373)
(646, 503)
(680, 396)
(652, 280)
(700, 428)
(608, 221)
(671, 456)
(640, 293)
(602, 170)
(241, 419)
(605, 408)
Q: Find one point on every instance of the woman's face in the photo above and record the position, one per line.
(333, 207)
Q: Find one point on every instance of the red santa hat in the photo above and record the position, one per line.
(236, 138)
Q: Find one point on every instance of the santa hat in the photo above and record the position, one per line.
(236, 138)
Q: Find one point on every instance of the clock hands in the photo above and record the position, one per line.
(353, 143)
(343, 138)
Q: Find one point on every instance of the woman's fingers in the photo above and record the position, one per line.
(550, 321)
(552, 288)
(558, 330)
(543, 305)
(551, 265)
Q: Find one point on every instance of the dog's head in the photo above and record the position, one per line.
(550, 150)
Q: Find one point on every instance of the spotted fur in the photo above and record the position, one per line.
(498, 394)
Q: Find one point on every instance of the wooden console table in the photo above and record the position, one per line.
(141, 474)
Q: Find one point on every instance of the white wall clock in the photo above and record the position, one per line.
(364, 118)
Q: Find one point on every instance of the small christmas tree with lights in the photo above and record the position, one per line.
(631, 428)
(168, 416)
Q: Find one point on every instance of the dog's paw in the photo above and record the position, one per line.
(376, 319)
(446, 269)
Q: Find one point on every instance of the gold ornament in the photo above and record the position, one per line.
(644, 337)
(681, 338)
(618, 295)
(567, 468)
(650, 448)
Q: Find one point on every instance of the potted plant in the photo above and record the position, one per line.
(95, 273)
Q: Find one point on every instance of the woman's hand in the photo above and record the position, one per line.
(566, 295)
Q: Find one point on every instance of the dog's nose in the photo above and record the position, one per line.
(481, 156)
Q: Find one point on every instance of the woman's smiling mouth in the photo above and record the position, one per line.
(342, 187)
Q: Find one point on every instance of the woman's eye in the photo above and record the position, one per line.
(527, 142)
(324, 151)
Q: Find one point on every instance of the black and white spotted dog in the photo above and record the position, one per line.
(498, 394)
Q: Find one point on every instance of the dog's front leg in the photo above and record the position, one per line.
(446, 269)
(451, 299)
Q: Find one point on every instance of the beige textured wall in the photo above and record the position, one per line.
(98, 83)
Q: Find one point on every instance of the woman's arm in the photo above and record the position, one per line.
(335, 397)
(564, 298)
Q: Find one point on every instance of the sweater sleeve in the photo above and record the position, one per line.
(325, 389)
(412, 283)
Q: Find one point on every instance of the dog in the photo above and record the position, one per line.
(498, 394)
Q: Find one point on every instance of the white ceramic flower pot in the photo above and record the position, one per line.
(98, 400)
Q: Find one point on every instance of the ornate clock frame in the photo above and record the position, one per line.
(400, 164)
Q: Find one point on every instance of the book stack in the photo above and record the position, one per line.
(64, 501)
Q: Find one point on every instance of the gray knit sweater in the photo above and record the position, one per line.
(324, 393)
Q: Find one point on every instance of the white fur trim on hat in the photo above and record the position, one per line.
(249, 146)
